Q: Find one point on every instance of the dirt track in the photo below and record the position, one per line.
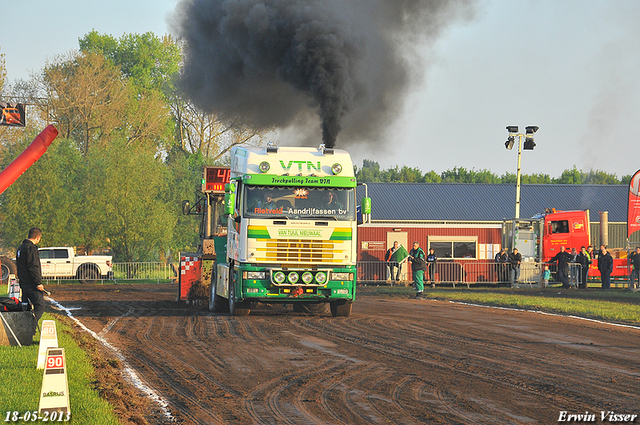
(392, 361)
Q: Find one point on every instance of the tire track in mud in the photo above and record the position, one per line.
(166, 369)
(397, 362)
(377, 339)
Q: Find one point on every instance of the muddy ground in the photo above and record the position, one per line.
(393, 361)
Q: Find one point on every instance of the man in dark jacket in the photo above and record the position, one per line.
(393, 267)
(432, 261)
(562, 258)
(584, 259)
(634, 279)
(502, 259)
(30, 271)
(605, 265)
(515, 258)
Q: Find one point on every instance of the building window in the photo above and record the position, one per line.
(454, 247)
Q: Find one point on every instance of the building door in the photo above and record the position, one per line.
(402, 239)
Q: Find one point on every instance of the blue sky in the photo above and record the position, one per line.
(569, 67)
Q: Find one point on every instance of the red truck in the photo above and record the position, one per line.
(542, 236)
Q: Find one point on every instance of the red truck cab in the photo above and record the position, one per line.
(564, 228)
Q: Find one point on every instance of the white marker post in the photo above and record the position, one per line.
(48, 339)
(54, 396)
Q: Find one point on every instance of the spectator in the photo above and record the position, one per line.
(605, 265)
(432, 261)
(584, 259)
(418, 266)
(634, 278)
(392, 263)
(30, 272)
(574, 268)
(562, 259)
(515, 258)
(501, 259)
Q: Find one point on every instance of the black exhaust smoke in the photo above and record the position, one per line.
(279, 62)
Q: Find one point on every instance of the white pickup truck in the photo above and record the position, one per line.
(62, 263)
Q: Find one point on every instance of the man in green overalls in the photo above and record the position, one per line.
(418, 266)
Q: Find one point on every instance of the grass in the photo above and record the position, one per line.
(22, 381)
(616, 306)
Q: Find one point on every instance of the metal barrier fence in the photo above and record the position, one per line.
(132, 271)
(144, 271)
(464, 272)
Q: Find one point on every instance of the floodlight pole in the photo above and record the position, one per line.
(519, 135)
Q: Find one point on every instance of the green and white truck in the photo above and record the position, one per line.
(291, 224)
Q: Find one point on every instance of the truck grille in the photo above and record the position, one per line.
(301, 251)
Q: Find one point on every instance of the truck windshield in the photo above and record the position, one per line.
(299, 202)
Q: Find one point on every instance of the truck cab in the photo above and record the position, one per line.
(290, 236)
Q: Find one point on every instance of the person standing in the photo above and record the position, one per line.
(605, 265)
(30, 272)
(634, 278)
(418, 266)
(573, 268)
(515, 259)
(392, 264)
(562, 259)
(502, 258)
(584, 259)
(432, 261)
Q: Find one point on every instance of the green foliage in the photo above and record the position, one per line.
(45, 196)
(148, 61)
(127, 202)
(371, 173)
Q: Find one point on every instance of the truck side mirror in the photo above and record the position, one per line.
(229, 202)
(186, 206)
(366, 205)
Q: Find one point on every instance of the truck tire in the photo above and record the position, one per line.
(311, 308)
(236, 308)
(8, 267)
(341, 308)
(217, 304)
(87, 274)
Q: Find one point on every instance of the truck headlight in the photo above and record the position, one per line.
(293, 277)
(254, 275)
(279, 277)
(341, 276)
(321, 278)
(307, 277)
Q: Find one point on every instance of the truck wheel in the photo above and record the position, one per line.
(87, 275)
(8, 267)
(216, 302)
(340, 308)
(236, 308)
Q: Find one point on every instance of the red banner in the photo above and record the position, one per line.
(633, 216)
(12, 114)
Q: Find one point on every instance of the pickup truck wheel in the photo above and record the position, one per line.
(87, 275)
(340, 308)
(236, 308)
(8, 267)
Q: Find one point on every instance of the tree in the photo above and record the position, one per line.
(149, 62)
(3, 72)
(89, 98)
(126, 201)
(45, 196)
